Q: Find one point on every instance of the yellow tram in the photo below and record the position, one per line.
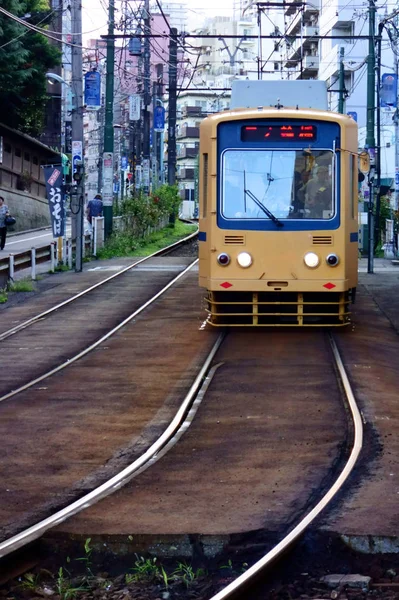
(278, 220)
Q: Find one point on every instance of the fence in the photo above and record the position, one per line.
(61, 253)
(29, 259)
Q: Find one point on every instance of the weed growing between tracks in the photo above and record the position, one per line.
(24, 285)
(146, 579)
(125, 244)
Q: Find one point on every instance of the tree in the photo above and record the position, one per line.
(25, 57)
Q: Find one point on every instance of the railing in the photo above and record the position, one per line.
(29, 259)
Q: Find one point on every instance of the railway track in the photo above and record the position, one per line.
(29, 533)
(41, 315)
(47, 342)
(239, 585)
(177, 426)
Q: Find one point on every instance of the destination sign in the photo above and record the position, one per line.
(278, 133)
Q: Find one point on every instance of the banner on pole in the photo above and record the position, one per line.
(134, 107)
(93, 90)
(55, 197)
(389, 90)
(108, 178)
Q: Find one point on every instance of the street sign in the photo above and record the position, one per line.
(124, 163)
(159, 119)
(93, 90)
(77, 154)
(352, 115)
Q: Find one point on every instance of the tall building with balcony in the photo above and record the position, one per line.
(223, 59)
(192, 108)
(318, 37)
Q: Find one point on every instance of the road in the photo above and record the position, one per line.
(24, 241)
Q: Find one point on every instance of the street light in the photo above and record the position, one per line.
(58, 78)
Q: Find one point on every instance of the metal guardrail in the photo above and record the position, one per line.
(29, 259)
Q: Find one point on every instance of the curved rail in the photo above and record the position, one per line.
(32, 320)
(244, 579)
(110, 333)
(116, 482)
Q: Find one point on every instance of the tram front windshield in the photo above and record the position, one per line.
(290, 184)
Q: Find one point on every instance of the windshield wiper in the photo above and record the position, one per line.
(263, 207)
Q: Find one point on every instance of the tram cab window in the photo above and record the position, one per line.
(291, 184)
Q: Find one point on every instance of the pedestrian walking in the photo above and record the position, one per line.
(94, 208)
(3, 229)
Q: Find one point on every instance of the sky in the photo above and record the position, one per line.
(95, 13)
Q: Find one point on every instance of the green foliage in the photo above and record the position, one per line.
(25, 57)
(126, 244)
(145, 570)
(385, 211)
(30, 581)
(65, 589)
(142, 212)
(3, 296)
(86, 559)
(24, 285)
(186, 574)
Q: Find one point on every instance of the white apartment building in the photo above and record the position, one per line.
(302, 57)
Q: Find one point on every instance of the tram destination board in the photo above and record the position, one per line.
(278, 133)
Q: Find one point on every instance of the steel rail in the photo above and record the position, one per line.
(244, 579)
(119, 480)
(110, 333)
(32, 320)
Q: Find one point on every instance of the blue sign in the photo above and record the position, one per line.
(352, 115)
(135, 46)
(389, 90)
(124, 163)
(93, 89)
(396, 178)
(159, 118)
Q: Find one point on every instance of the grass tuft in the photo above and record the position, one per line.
(24, 285)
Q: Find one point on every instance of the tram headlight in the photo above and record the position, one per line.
(311, 260)
(332, 260)
(223, 259)
(244, 260)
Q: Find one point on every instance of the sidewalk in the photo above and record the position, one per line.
(381, 265)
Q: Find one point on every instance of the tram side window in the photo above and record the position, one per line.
(204, 184)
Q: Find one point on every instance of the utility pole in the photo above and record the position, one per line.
(378, 153)
(341, 101)
(370, 138)
(108, 156)
(172, 112)
(159, 139)
(147, 98)
(396, 119)
(77, 195)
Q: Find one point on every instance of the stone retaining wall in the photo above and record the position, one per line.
(30, 211)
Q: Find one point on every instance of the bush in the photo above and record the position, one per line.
(142, 212)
